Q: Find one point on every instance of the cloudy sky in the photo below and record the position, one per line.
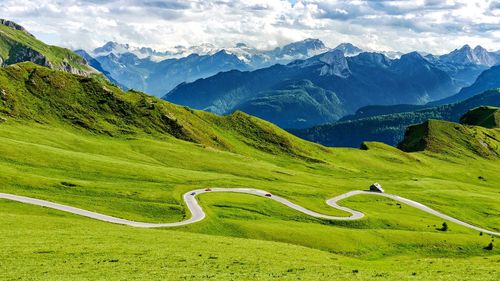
(428, 25)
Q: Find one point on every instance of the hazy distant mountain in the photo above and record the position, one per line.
(348, 49)
(169, 73)
(465, 64)
(97, 66)
(298, 50)
(489, 79)
(467, 55)
(157, 77)
(157, 72)
(118, 49)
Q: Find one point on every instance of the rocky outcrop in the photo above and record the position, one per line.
(335, 63)
(67, 67)
(21, 53)
(14, 25)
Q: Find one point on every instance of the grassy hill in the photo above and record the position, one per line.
(451, 138)
(34, 93)
(17, 45)
(478, 134)
(83, 142)
(485, 116)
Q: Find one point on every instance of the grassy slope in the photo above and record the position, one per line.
(485, 116)
(77, 141)
(445, 137)
(13, 41)
(41, 244)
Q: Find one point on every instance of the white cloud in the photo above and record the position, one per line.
(429, 25)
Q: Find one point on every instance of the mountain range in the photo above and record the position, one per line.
(387, 123)
(354, 81)
(158, 72)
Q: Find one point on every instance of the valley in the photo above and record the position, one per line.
(100, 180)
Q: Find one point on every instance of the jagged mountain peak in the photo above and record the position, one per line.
(348, 49)
(412, 57)
(466, 47)
(479, 48)
(467, 55)
(306, 47)
(331, 63)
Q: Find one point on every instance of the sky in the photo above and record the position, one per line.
(435, 26)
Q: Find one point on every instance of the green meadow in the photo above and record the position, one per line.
(85, 143)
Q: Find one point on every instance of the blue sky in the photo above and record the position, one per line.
(428, 25)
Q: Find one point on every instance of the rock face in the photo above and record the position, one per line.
(21, 53)
(335, 64)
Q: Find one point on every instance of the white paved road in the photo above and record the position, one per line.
(197, 213)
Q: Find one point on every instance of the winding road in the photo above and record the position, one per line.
(197, 213)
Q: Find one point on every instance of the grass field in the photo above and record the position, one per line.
(95, 147)
(143, 179)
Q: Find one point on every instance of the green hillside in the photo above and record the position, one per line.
(17, 45)
(485, 116)
(83, 142)
(451, 138)
(34, 93)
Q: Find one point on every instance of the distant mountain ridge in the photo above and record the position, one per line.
(489, 79)
(255, 58)
(133, 66)
(467, 55)
(158, 72)
(465, 64)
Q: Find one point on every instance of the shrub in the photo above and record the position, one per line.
(444, 227)
(489, 247)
